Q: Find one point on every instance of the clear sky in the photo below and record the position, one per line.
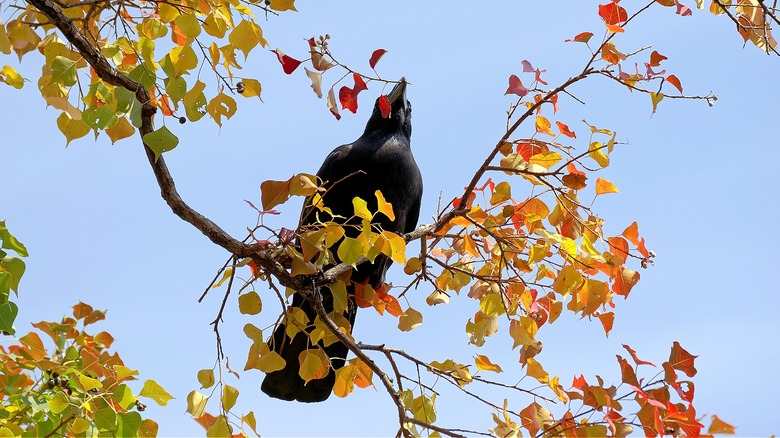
(702, 183)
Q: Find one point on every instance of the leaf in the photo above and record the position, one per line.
(332, 104)
(270, 362)
(206, 379)
(612, 13)
(220, 106)
(604, 186)
(345, 380)
(383, 206)
(543, 125)
(637, 361)
(63, 71)
(252, 88)
(483, 363)
(534, 369)
(196, 403)
(361, 209)
(288, 64)
(154, 391)
(564, 130)
(672, 79)
(219, 429)
(121, 129)
(583, 37)
(350, 250)
(656, 58)
(58, 403)
(596, 152)
(316, 81)
(71, 128)
(229, 397)
(656, 98)
(410, 320)
(283, 5)
(10, 76)
(246, 36)
(375, 57)
(249, 303)
(161, 140)
(720, 426)
(607, 320)
(516, 87)
(682, 360)
(502, 193)
(88, 383)
(124, 397)
(314, 364)
(384, 106)
(273, 193)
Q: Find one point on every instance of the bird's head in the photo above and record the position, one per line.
(400, 117)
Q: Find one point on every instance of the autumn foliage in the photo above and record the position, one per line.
(524, 240)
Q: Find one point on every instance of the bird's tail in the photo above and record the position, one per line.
(287, 384)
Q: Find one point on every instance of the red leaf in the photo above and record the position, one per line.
(579, 382)
(348, 99)
(656, 58)
(565, 130)
(288, 64)
(636, 359)
(360, 85)
(384, 106)
(612, 13)
(672, 79)
(682, 360)
(378, 53)
(516, 87)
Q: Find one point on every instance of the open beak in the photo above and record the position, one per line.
(399, 92)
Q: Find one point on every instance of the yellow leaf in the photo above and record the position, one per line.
(397, 247)
(345, 380)
(270, 362)
(11, 77)
(205, 378)
(250, 303)
(502, 193)
(219, 429)
(534, 369)
(246, 36)
(229, 397)
(121, 129)
(220, 106)
(656, 98)
(314, 364)
(543, 126)
(546, 159)
(596, 152)
(5, 43)
(483, 363)
(72, 129)
(523, 331)
(283, 5)
(186, 25)
(383, 206)
(604, 186)
(252, 87)
(196, 403)
(410, 320)
(361, 209)
(154, 391)
(437, 297)
(89, 383)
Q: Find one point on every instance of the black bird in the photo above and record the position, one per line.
(381, 159)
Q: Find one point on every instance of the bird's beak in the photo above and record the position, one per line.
(399, 92)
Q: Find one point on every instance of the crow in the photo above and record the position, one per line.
(381, 159)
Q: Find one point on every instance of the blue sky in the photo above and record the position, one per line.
(702, 183)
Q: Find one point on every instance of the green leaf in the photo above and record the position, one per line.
(10, 242)
(249, 303)
(124, 397)
(128, 424)
(195, 102)
(99, 118)
(154, 391)
(350, 250)
(89, 383)
(161, 140)
(8, 312)
(229, 397)
(105, 419)
(59, 402)
(63, 71)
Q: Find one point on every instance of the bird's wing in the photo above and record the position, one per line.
(329, 165)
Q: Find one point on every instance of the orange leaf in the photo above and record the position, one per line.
(627, 372)
(672, 79)
(637, 360)
(607, 320)
(682, 360)
(274, 193)
(656, 58)
(720, 426)
(604, 186)
(484, 363)
(583, 37)
(614, 28)
(565, 130)
(364, 373)
(632, 233)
